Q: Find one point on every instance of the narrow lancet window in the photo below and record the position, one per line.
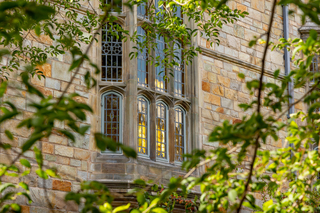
(179, 134)
(161, 131)
(111, 116)
(111, 53)
(142, 60)
(179, 71)
(161, 83)
(143, 126)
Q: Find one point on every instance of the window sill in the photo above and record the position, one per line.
(109, 83)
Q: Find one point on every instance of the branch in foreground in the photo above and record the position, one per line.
(256, 144)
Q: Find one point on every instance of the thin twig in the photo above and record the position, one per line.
(82, 58)
(256, 144)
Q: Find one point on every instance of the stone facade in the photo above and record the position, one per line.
(213, 94)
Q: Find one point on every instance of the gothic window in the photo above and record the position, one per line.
(179, 122)
(111, 116)
(161, 131)
(111, 53)
(178, 71)
(142, 60)
(143, 126)
(160, 81)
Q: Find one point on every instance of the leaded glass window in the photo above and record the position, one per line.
(111, 116)
(161, 83)
(141, 10)
(143, 126)
(315, 65)
(142, 60)
(179, 86)
(179, 122)
(161, 131)
(115, 4)
(111, 53)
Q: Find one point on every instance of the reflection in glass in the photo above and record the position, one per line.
(178, 71)
(142, 60)
(161, 83)
(143, 126)
(111, 120)
(179, 134)
(161, 131)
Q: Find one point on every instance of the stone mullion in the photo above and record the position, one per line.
(131, 81)
(171, 136)
(152, 133)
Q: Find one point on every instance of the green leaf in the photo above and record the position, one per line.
(24, 186)
(232, 195)
(267, 204)
(159, 210)
(241, 75)
(41, 174)
(4, 186)
(68, 134)
(15, 207)
(3, 88)
(25, 163)
(121, 208)
(51, 173)
(128, 151)
(8, 134)
(31, 141)
(104, 143)
(276, 73)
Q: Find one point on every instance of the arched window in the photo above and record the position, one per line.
(179, 123)
(161, 83)
(112, 116)
(143, 126)
(111, 53)
(162, 131)
(142, 60)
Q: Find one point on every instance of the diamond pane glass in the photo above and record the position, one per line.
(111, 119)
(143, 126)
(161, 131)
(179, 134)
(111, 53)
(161, 83)
(142, 60)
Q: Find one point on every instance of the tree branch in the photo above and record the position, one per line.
(256, 144)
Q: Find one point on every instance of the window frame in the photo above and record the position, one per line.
(167, 159)
(147, 72)
(104, 33)
(184, 112)
(148, 128)
(119, 152)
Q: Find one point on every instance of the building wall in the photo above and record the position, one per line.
(214, 97)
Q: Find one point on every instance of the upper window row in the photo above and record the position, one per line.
(112, 126)
(112, 61)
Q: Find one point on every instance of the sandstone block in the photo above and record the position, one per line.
(52, 83)
(45, 69)
(206, 114)
(227, 103)
(67, 172)
(224, 81)
(205, 86)
(113, 168)
(218, 90)
(47, 148)
(213, 99)
(258, 5)
(74, 162)
(64, 151)
(81, 154)
(60, 71)
(61, 185)
(212, 77)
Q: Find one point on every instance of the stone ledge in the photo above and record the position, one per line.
(240, 63)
